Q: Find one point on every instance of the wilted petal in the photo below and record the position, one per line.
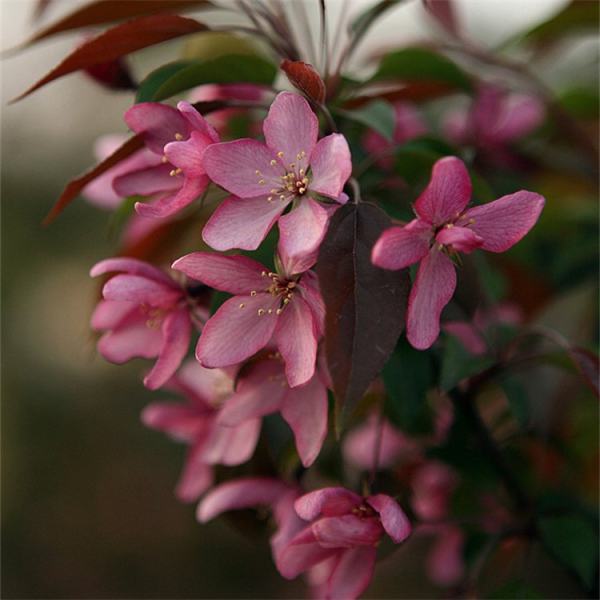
(393, 519)
(176, 332)
(305, 410)
(241, 222)
(461, 239)
(140, 290)
(347, 531)
(231, 445)
(504, 222)
(172, 203)
(399, 247)
(301, 232)
(234, 166)
(291, 127)
(447, 193)
(331, 166)
(330, 501)
(145, 182)
(158, 123)
(237, 330)
(352, 574)
(238, 494)
(233, 274)
(296, 340)
(431, 291)
(195, 478)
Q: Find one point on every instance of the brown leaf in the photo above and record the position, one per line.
(101, 12)
(365, 305)
(305, 77)
(76, 185)
(113, 75)
(119, 41)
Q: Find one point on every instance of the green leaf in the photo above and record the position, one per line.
(458, 364)
(148, 87)
(581, 102)
(233, 68)
(407, 377)
(378, 115)
(573, 541)
(517, 399)
(519, 590)
(419, 64)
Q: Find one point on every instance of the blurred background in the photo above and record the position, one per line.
(87, 503)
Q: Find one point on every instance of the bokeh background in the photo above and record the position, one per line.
(87, 503)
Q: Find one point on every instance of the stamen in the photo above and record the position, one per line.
(164, 159)
(178, 137)
(279, 311)
(280, 154)
(242, 305)
(261, 312)
(263, 273)
(253, 293)
(273, 162)
(257, 172)
(261, 182)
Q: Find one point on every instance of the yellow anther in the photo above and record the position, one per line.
(164, 159)
(286, 300)
(305, 180)
(263, 273)
(440, 246)
(301, 190)
(270, 311)
(282, 197)
(291, 285)
(280, 154)
(273, 191)
(449, 225)
(261, 312)
(270, 199)
(242, 305)
(178, 137)
(272, 162)
(292, 166)
(471, 222)
(253, 293)
(261, 182)
(257, 172)
(279, 311)
(301, 172)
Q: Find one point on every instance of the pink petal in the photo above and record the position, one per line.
(206, 388)
(238, 494)
(446, 194)
(182, 422)
(197, 121)
(302, 553)
(431, 291)
(109, 313)
(259, 393)
(301, 232)
(409, 123)
(331, 501)
(296, 339)
(147, 181)
(309, 288)
(157, 122)
(241, 223)
(232, 445)
(504, 222)
(170, 204)
(187, 155)
(392, 517)
(234, 166)
(399, 247)
(468, 335)
(233, 274)
(347, 531)
(331, 166)
(134, 288)
(445, 564)
(485, 112)
(305, 410)
(176, 333)
(133, 266)
(196, 477)
(291, 127)
(352, 574)
(237, 330)
(133, 339)
(460, 239)
(456, 126)
(522, 114)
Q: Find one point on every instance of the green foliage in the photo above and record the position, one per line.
(517, 590)
(378, 115)
(458, 363)
(517, 398)
(150, 85)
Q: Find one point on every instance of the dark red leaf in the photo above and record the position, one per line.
(113, 75)
(588, 365)
(445, 14)
(119, 41)
(417, 91)
(304, 77)
(101, 12)
(365, 305)
(76, 185)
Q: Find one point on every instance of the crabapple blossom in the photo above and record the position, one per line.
(144, 313)
(444, 228)
(342, 532)
(284, 306)
(291, 167)
(178, 137)
(195, 423)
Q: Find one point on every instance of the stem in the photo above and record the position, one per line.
(353, 183)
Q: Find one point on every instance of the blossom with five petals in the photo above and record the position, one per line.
(342, 534)
(144, 314)
(195, 423)
(443, 227)
(291, 167)
(285, 305)
(179, 137)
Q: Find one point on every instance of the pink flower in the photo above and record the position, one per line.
(442, 228)
(408, 125)
(144, 314)
(285, 306)
(264, 390)
(195, 423)
(432, 486)
(445, 565)
(290, 168)
(496, 119)
(179, 138)
(343, 531)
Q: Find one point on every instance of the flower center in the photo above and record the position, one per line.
(363, 511)
(295, 181)
(280, 287)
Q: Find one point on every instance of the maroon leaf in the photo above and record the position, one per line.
(101, 12)
(365, 305)
(418, 91)
(119, 41)
(444, 13)
(113, 75)
(304, 77)
(588, 365)
(76, 185)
